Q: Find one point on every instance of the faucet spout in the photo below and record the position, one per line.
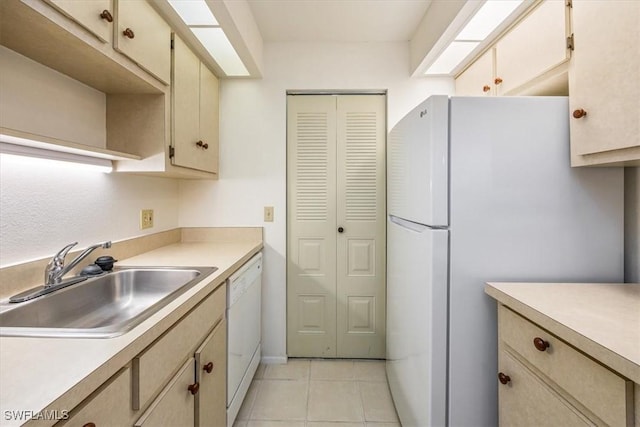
(56, 268)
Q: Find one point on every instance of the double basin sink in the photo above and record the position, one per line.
(100, 307)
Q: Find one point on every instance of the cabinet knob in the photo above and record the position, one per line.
(340, 230)
(193, 388)
(504, 379)
(540, 344)
(202, 145)
(129, 33)
(578, 114)
(208, 367)
(498, 80)
(89, 425)
(486, 88)
(106, 15)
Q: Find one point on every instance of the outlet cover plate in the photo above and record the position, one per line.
(268, 214)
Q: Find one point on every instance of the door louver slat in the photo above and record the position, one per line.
(311, 170)
(361, 166)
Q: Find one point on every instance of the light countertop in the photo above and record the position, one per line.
(50, 374)
(602, 320)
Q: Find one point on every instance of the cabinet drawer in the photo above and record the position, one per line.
(109, 406)
(603, 392)
(174, 406)
(153, 367)
(526, 400)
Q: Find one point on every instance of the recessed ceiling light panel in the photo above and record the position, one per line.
(219, 46)
(194, 12)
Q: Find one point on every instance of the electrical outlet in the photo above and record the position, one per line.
(146, 218)
(268, 214)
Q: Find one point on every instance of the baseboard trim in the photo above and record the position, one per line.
(274, 360)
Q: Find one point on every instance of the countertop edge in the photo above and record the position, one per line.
(593, 349)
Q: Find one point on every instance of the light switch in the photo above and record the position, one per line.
(146, 218)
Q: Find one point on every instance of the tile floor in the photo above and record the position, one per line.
(319, 393)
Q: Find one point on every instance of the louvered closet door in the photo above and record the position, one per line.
(311, 222)
(361, 214)
(336, 226)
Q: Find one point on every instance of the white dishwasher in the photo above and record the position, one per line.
(243, 332)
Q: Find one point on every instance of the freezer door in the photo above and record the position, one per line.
(417, 164)
(417, 282)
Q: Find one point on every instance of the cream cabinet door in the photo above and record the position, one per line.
(211, 374)
(174, 406)
(144, 36)
(534, 46)
(95, 15)
(477, 80)
(185, 100)
(209, 120)
(604, 77)
(525, 400)
(336, 292)
(194, 111)
(109, 406)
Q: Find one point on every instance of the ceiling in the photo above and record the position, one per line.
(338, 20)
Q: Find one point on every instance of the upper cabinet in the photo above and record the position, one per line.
(109, 62)
(524, 59)
(96, 16)
(143, 36)
(604, 83)
(533, 47)
(477, 80)
(194, 111)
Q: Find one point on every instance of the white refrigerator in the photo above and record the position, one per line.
(480, 189)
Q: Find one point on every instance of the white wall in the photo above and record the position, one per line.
(253, 145)
(44, 205)
(632, 225)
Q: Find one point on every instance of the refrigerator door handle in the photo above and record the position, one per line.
(409, 225)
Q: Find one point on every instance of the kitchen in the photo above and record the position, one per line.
(37, 226)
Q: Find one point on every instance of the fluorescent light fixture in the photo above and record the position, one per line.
(482, 24)
(42, 155)
(451, 57)
(194, 12)
(487, 19)
(199, 18)
(219, 46)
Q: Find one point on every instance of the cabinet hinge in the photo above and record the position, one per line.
(570, 42)
(569, 3)
(172, 152)
(171, 43)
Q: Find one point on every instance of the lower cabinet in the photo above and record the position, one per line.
(211, 374)
(178, 380)
(544, 381)
(525, 399)
(175, 404)
(110, 405)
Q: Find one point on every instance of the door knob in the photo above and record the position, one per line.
(578, 114)
(340, 230)
(504, 379)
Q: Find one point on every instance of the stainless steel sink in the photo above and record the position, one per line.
(100, 307)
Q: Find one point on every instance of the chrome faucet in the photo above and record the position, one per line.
(56, 268)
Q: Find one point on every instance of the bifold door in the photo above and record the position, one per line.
(336, 226)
